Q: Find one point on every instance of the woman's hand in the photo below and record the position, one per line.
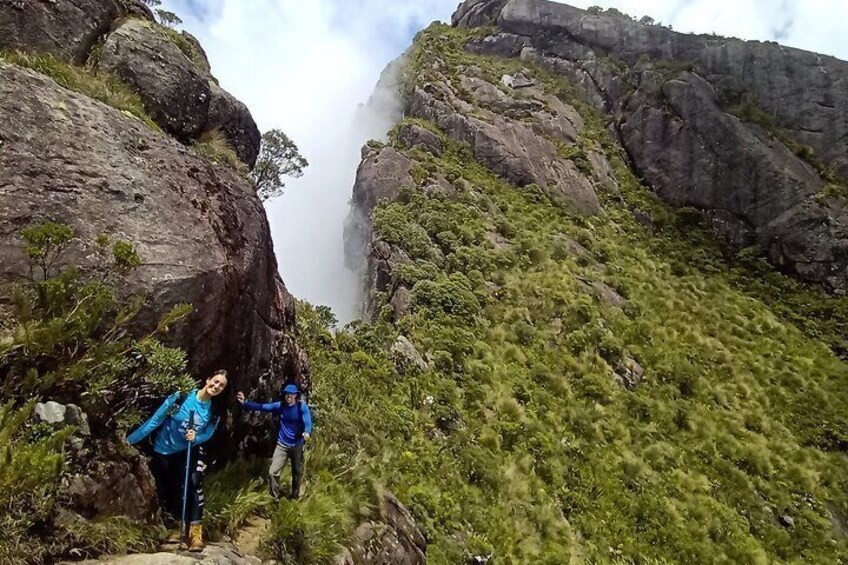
(240, 397)
(190, 435)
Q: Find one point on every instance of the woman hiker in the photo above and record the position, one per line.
(174, 434)
(295, 428)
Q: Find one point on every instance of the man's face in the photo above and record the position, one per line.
(291, 399)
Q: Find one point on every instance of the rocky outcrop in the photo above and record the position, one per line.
(107, 481)
(177, 88)
(393, 538)
(214, 554)
(168, 69)
(670, 97)
(175, 92)
(66, 29)
(516, 136)
(232, 117)
(199, 228)
(406, 358)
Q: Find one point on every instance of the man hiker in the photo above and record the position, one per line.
(295, 428)
(181, 425)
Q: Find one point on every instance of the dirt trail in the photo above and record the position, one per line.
(248, 537)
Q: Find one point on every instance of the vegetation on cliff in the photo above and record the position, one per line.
(65, 335)
(617, 388)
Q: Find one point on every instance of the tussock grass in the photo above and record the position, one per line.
(214, 145)
(518, 443)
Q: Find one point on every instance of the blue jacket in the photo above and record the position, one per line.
(291, 427)
(171, 426)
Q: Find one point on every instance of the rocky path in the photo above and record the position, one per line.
(222, 553)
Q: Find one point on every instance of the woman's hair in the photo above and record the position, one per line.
(221, 372)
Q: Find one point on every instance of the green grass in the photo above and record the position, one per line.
(183, 44)
(214, 145)
(518, 442)
(235, 493)
(96, 84)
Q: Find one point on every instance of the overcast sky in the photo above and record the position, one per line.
(305, 65)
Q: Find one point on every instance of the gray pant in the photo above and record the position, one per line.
(281, 454)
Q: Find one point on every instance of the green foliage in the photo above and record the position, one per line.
(167, 18)
(278, 157)
(97, 84)
(68, 337)
(313, 529)
(518, 442)
(215, 146)
(233, 494)
(29, 473)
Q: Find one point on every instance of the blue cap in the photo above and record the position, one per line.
(291, 389)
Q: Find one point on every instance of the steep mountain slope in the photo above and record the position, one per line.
(561, 367)
(773, 176)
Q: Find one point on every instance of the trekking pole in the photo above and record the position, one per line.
(183, 527)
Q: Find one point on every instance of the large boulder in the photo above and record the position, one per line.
(175, 91)
(107, 481)
(199, 228)
(65, 28)
(232, 117)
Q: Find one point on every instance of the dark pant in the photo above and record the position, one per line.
(169, 472)
(281, 454)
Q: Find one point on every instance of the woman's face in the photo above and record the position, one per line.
(215, 385)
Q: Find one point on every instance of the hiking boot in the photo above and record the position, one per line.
(195, 538)
(174, 536)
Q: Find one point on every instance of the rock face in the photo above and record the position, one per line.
(200, 229)
(762, 180)
(177, 88)
(169, 70)
(394, 539)
(233, 118)
(67, 29)
(493, 123)
(522, 133)
(176, 94)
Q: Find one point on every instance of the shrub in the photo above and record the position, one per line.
(68, 335)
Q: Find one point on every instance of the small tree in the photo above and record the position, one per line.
(278, 158)
(69, 333)
(168, 19)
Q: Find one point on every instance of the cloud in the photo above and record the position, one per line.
(304, 66)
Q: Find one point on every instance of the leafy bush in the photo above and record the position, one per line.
(69, 333)
(97, 84)
(68, 339)
(30, 468)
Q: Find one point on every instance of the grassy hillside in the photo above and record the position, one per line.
(528, 438)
